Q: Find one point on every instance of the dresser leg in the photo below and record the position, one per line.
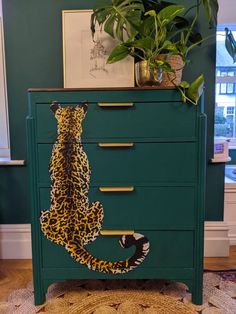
(197, 295)
(39, 297)
(197, 299)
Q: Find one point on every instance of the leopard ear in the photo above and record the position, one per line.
(54, 106)
(83, 105)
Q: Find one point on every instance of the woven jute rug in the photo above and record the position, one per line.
(126, 297)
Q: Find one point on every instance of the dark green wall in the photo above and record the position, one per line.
(33, 44)
(232, 154)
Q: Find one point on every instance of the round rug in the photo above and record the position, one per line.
(125, 297)
(137, 302)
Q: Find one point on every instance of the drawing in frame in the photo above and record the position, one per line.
(84, 59)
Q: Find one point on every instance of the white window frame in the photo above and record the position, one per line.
(226, 16)
(228, 79)
(4, 124)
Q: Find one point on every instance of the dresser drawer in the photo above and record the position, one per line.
(162, 254)
(144, 208)
(142, 121)
(142, 164)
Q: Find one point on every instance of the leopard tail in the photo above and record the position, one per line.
(81, 255)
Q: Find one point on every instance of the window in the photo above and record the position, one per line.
(230, 110)
(226, 88)
(4, 129)
(225, 118)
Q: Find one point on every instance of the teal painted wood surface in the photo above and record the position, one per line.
(149, 208)
(167, 204)
(136, 165)
(163, 254)
(142, 121)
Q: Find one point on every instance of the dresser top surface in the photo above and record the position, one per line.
(98, 89)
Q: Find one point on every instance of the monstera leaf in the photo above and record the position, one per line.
(118, 17)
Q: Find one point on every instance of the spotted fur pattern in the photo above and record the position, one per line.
(71, 221)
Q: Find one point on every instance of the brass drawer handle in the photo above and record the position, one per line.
(116, 232)
(107, 145)
(116, 188)
(115, 104)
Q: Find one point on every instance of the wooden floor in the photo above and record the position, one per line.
(15, 274)
(221, 263)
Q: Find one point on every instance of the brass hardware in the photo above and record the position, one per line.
(116, 232)
(115, 144)
(145, 76)
(115, 104)
(116, 188)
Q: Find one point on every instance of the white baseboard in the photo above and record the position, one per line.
(216, 239)
(230, 211)
(15, 240)
(232, 232)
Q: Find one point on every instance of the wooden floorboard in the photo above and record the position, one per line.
(16, 274)
(221, 263)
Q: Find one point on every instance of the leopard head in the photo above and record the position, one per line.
(69, 119)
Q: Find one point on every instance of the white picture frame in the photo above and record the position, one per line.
(84, 60)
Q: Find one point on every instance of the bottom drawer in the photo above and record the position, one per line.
(168, 249)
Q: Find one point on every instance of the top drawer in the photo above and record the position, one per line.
(144, 121)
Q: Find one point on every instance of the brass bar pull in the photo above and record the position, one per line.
(116, 188)
(115, 104)
(107, 145)
(116, 232)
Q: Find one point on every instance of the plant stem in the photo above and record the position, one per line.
(193, 22)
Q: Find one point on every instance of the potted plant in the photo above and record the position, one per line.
(153, 32)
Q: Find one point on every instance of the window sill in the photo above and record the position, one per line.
(10, 162)
(220, 160)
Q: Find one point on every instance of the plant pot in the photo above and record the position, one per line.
(172, 79)
(145, 76)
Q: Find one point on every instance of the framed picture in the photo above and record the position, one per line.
(84, 58)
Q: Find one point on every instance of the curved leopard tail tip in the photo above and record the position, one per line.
(142, 248)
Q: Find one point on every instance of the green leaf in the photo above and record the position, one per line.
(119, 34)
(151, 13)
(118, 53)
(169, 13)
(159, 63)
(184, 84)
(195, 89)
(181, 22)
(211, 8)
(230, 44)
(146, 43)
(146, 26)
(108, 26)
(207, 6)
(118, 16)
(102, 5)
(169, 46)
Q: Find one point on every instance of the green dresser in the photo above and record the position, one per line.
(150, 146)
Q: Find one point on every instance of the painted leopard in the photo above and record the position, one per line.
(71, 221)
